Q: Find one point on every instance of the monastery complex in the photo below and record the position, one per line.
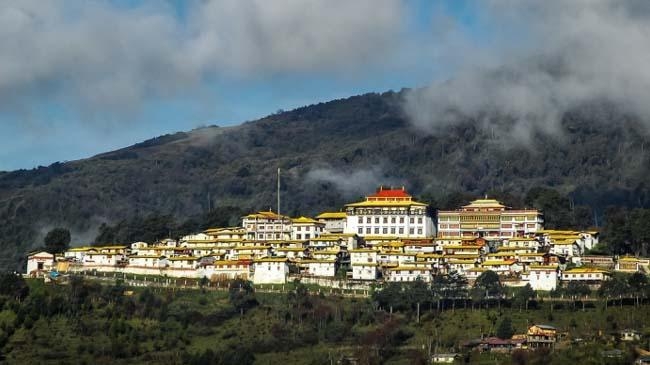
(385, 238)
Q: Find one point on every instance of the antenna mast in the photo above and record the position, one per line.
(278, 191)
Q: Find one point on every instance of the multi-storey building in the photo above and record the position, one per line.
(334, 221)
(304, 228)
(490, 219)
(267, 226)
(389, 212)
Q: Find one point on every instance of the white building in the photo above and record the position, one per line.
(364, 271)
(363, 256)
(408, 273)
(490, 219)
(304, 228)
(39, 262)
(223, 270)
(590, 276)
(542, 277)
(227, 233)
(326, 268)
(270, 270)
(335, 222)
(389, 213)
(267, 226)
(148, 261)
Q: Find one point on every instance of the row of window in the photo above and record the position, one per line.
(260, 236)
(490, 218)
(573, 276)
(385, 220)
(386, 230)
(269, 228)
(377, 211)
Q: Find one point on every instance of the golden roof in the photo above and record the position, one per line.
(585, 270)
(317, 261)
(304, 220)
(498, 262)
(271, 259)
(406, 268)
(332, 215)
(181, 258)
(484, 203)
(406, 203)
(266, 215)
(144, 257)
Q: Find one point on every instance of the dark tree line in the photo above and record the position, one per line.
(156, 226)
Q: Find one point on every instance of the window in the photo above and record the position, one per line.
(385, 230)
(360, 220)
(367, 230)
(393, 220)
(420, 220)
(360, 230)
(368, 220)
(376, 230)
(385, 219)
(411, 230)
(307, 236)
(299, 228)
(401, 230)
(377, 220)
(392, 230)
(419, 230)
(412, 220)
(401, 219)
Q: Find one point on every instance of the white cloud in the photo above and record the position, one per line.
(547, 57)
(354, 183)
(96, 56)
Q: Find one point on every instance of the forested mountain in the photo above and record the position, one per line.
(330, 153)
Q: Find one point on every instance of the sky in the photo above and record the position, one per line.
(79, 78)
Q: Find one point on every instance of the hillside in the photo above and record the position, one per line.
(330, 153)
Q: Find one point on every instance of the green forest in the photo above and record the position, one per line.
(92, 322)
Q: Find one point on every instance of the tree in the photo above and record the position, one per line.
(523, 296)
(487, 286)
(505, 329)
(617, 287)
(576, 290)
(639, 226)
(451, 286)
(391, 296)
(57, 240)
(639, 286)
(241, 295)
(13, 285)
(556, 207)
(203, 282)
(616, 230)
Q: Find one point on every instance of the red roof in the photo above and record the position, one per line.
(390, 193)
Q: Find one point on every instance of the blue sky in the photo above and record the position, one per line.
(52, 113)
(79, 78)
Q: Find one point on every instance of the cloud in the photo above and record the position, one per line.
(357, 182)
(96, 56)
(543, 59)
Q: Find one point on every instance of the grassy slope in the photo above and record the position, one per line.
(87, 338)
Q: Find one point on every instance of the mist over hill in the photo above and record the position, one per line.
(329, 153)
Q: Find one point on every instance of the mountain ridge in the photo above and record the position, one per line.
(329, 153)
